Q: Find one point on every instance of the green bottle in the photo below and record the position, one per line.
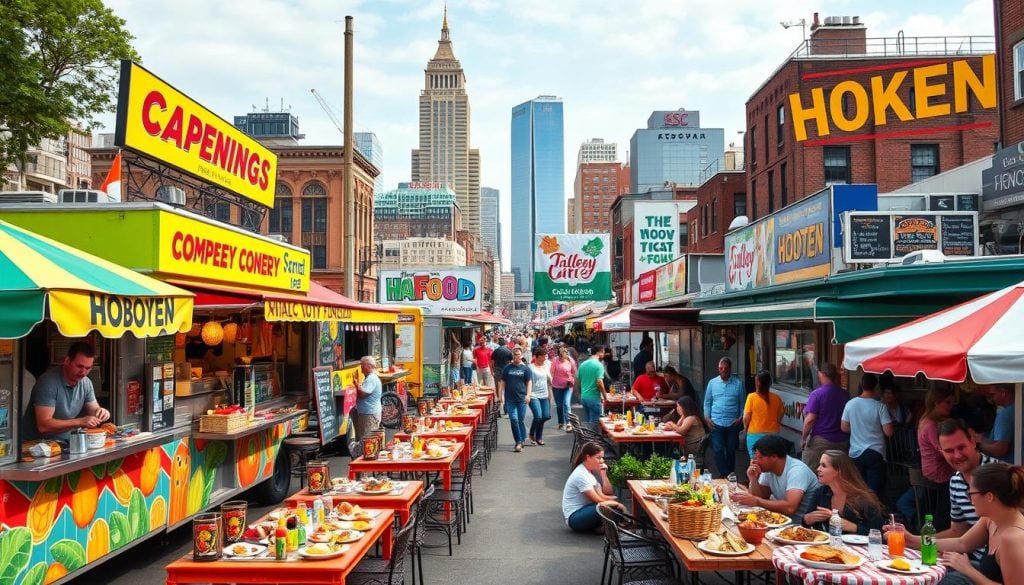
(929, 546)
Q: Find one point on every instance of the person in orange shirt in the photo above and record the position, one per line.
(649, 385)
(762, 414)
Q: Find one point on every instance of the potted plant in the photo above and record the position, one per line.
(658, 467)
(625, 469)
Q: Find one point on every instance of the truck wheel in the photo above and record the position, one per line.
(391, 409)
(275, 488)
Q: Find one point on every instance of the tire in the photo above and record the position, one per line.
(391, 410)
(274, 489)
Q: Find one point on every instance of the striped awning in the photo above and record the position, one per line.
(41, 278)
(319, 304)
(363, 327)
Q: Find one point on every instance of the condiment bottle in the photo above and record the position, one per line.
(281, 539)
(303, 524)
(293, 534)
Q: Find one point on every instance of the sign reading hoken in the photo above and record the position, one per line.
(572, 267)
(440, 291)
(156, 120)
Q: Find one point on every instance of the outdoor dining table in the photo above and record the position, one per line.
(462, 435)
(442, 466)
(695, 560)
(624, 402)
(469, 417)
(294, 569)
(630, 437)
(786, 563)
(478, 403)
(401, 503)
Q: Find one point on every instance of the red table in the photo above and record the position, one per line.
(631, 436)
(401, 503)
(785, 561)
(294, 570)
(442, 466)
(462, 435)
(472, 417)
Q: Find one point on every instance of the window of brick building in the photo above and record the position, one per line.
(739, 204)
(780, 123)
(704, 221)
(924, 161)
(783, 185)
(281, 214)
(771, 191)
(753, 200)
(1018, 71)
(714, 215)
(684, 236)
(837, 165)
(314, 223)
(753, 145)
(766, 139)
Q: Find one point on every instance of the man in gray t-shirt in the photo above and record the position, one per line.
(63, 398)
(869, 423)
(778, 482)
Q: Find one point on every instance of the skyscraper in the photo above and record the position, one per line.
(489, 234)
(673, 148)
(538, 180)
(368, 144)
(444, 155)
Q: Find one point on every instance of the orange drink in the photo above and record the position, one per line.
(897, 541)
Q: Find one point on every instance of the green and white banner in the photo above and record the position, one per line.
(572, 267)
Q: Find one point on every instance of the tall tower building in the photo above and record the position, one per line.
(673, 148)
(489, 219)
(538, 180)
(368, 144)
(444, 155)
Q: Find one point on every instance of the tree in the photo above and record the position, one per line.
(59, 63)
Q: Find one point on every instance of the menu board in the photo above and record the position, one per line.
(324, 400)
(914, 232)
(870, 238)
(958, 235)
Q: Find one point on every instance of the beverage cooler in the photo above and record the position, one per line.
(159, 396)
(255, 384)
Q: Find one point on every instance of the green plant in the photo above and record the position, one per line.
(658, 467)
(627, 467)
(691, 497)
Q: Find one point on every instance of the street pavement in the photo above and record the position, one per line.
(517, 534)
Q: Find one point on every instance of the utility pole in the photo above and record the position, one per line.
(348, 169)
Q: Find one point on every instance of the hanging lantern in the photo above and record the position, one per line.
(212, 333)
(230, 332)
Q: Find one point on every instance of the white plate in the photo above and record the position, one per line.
(353, 536)
(826, 566)
(315, 557)
(702, 546)
(915, 567)
(251, 550)
(774, 535)
(441, 456)
(855, 539)
(742, 515)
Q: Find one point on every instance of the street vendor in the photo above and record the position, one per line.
(63, 398)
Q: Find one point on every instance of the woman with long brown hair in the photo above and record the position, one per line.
(842, 488)
(938, 405)
(583, 491)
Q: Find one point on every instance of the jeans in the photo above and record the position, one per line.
(562, 404)
(751, 439)
(593, 409)
(467, 374)
(541, 409)
(871, 466)
(585, 519)
(516, 414)
(724, 442)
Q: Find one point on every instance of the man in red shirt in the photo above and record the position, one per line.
(647, 386)
(482, 357)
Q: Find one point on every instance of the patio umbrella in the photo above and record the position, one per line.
(982, 336)
(79, 292)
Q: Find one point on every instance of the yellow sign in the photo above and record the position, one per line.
(195, 250)
(159, 121)
(78, 313)
(875, 100)
(276, 310)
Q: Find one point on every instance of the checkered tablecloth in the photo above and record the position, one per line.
(785, 559)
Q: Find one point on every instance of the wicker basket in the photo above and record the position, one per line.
(222, 423)
(694, 523)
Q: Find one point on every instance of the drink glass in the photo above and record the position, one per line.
(875, 544)
(733, 482)
(897, 541)
(207, 537)
(233, 513)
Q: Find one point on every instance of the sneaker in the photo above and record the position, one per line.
(519, 448)
(568, 428)
(561, 427)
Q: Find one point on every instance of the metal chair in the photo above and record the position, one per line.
(447, 512)
(643, 557)
(420, 532)
(390, 572)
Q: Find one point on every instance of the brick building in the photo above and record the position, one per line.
(831, 73)
(1009, 17)
(720, 199)
(596, 186)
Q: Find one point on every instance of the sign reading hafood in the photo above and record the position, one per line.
(439, 291)
(655, 234)
(157, 120)
(572, 267)
(939, 89)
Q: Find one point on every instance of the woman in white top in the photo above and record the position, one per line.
(540, 402)
(467, 364)
(583, 492)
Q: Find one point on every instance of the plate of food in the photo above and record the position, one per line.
(766, 517)
(374, 486)
(345, 536)
(278, 512)
(855, 539)
(659, 490)
(259, 532)
(348, 512)
(435, 453)
(797, 535)
(829, 558)
(242, 550)
(725, 543)
(320, 551)
(901, 566)
(321, 534)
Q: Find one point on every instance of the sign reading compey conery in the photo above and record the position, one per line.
(655, 234)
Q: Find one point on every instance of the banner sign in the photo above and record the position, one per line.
(158, 121)
(440, 291)
(647, 286)
(572, 267)
(803, 247)
(874, 237)
(76, 313)
(655, 234)
(671, 279)
(750, 256)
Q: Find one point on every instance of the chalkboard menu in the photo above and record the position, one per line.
(914, 232)
(870, 238)
(324, 398)
(958, 235)
(967, 202)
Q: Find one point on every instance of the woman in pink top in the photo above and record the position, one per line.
(938, 404)
(563, 377)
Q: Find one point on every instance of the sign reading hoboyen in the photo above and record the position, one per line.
(114, 315)
(655, 234)
(200, 250)
(572, 267)
(158, 121)
(440, 291)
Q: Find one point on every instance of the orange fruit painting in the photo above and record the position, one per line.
(98, 543)
(53, 572)
(122, 486)
(150, 473)
(157, 512)
(248, 459)
(549, 244)
(84, 500)
(181, 461)
(43, 508)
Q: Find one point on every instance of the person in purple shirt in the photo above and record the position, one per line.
(823, 418)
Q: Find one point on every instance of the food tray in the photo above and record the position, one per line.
(222, 423)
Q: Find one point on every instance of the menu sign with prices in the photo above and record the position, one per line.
(878, 236)
(325, 404)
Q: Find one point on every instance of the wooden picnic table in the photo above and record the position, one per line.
(401, 503)
(293, 570)
(695, 560)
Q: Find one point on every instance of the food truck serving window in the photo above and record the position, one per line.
(357, 345)
(796, 358)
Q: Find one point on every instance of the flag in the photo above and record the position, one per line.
(112, 184)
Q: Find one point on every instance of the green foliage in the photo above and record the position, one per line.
(59, 62)
(120, 530)
(138, 515)
(593, 248)
(15, 548)
(69, 553)
(658, 467)
(627, 467)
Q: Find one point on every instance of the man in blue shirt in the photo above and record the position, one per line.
(723, 411)
(999, 442)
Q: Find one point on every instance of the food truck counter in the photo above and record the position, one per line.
(262, 422)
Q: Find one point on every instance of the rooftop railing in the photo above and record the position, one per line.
(898, 46)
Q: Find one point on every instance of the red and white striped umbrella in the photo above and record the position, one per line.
(983, 335)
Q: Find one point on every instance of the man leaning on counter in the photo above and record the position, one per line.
(63, 398)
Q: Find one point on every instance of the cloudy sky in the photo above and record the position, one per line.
(611, 61)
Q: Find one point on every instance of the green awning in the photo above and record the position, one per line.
(761, 313)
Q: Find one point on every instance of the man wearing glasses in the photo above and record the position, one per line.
(63, 398)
